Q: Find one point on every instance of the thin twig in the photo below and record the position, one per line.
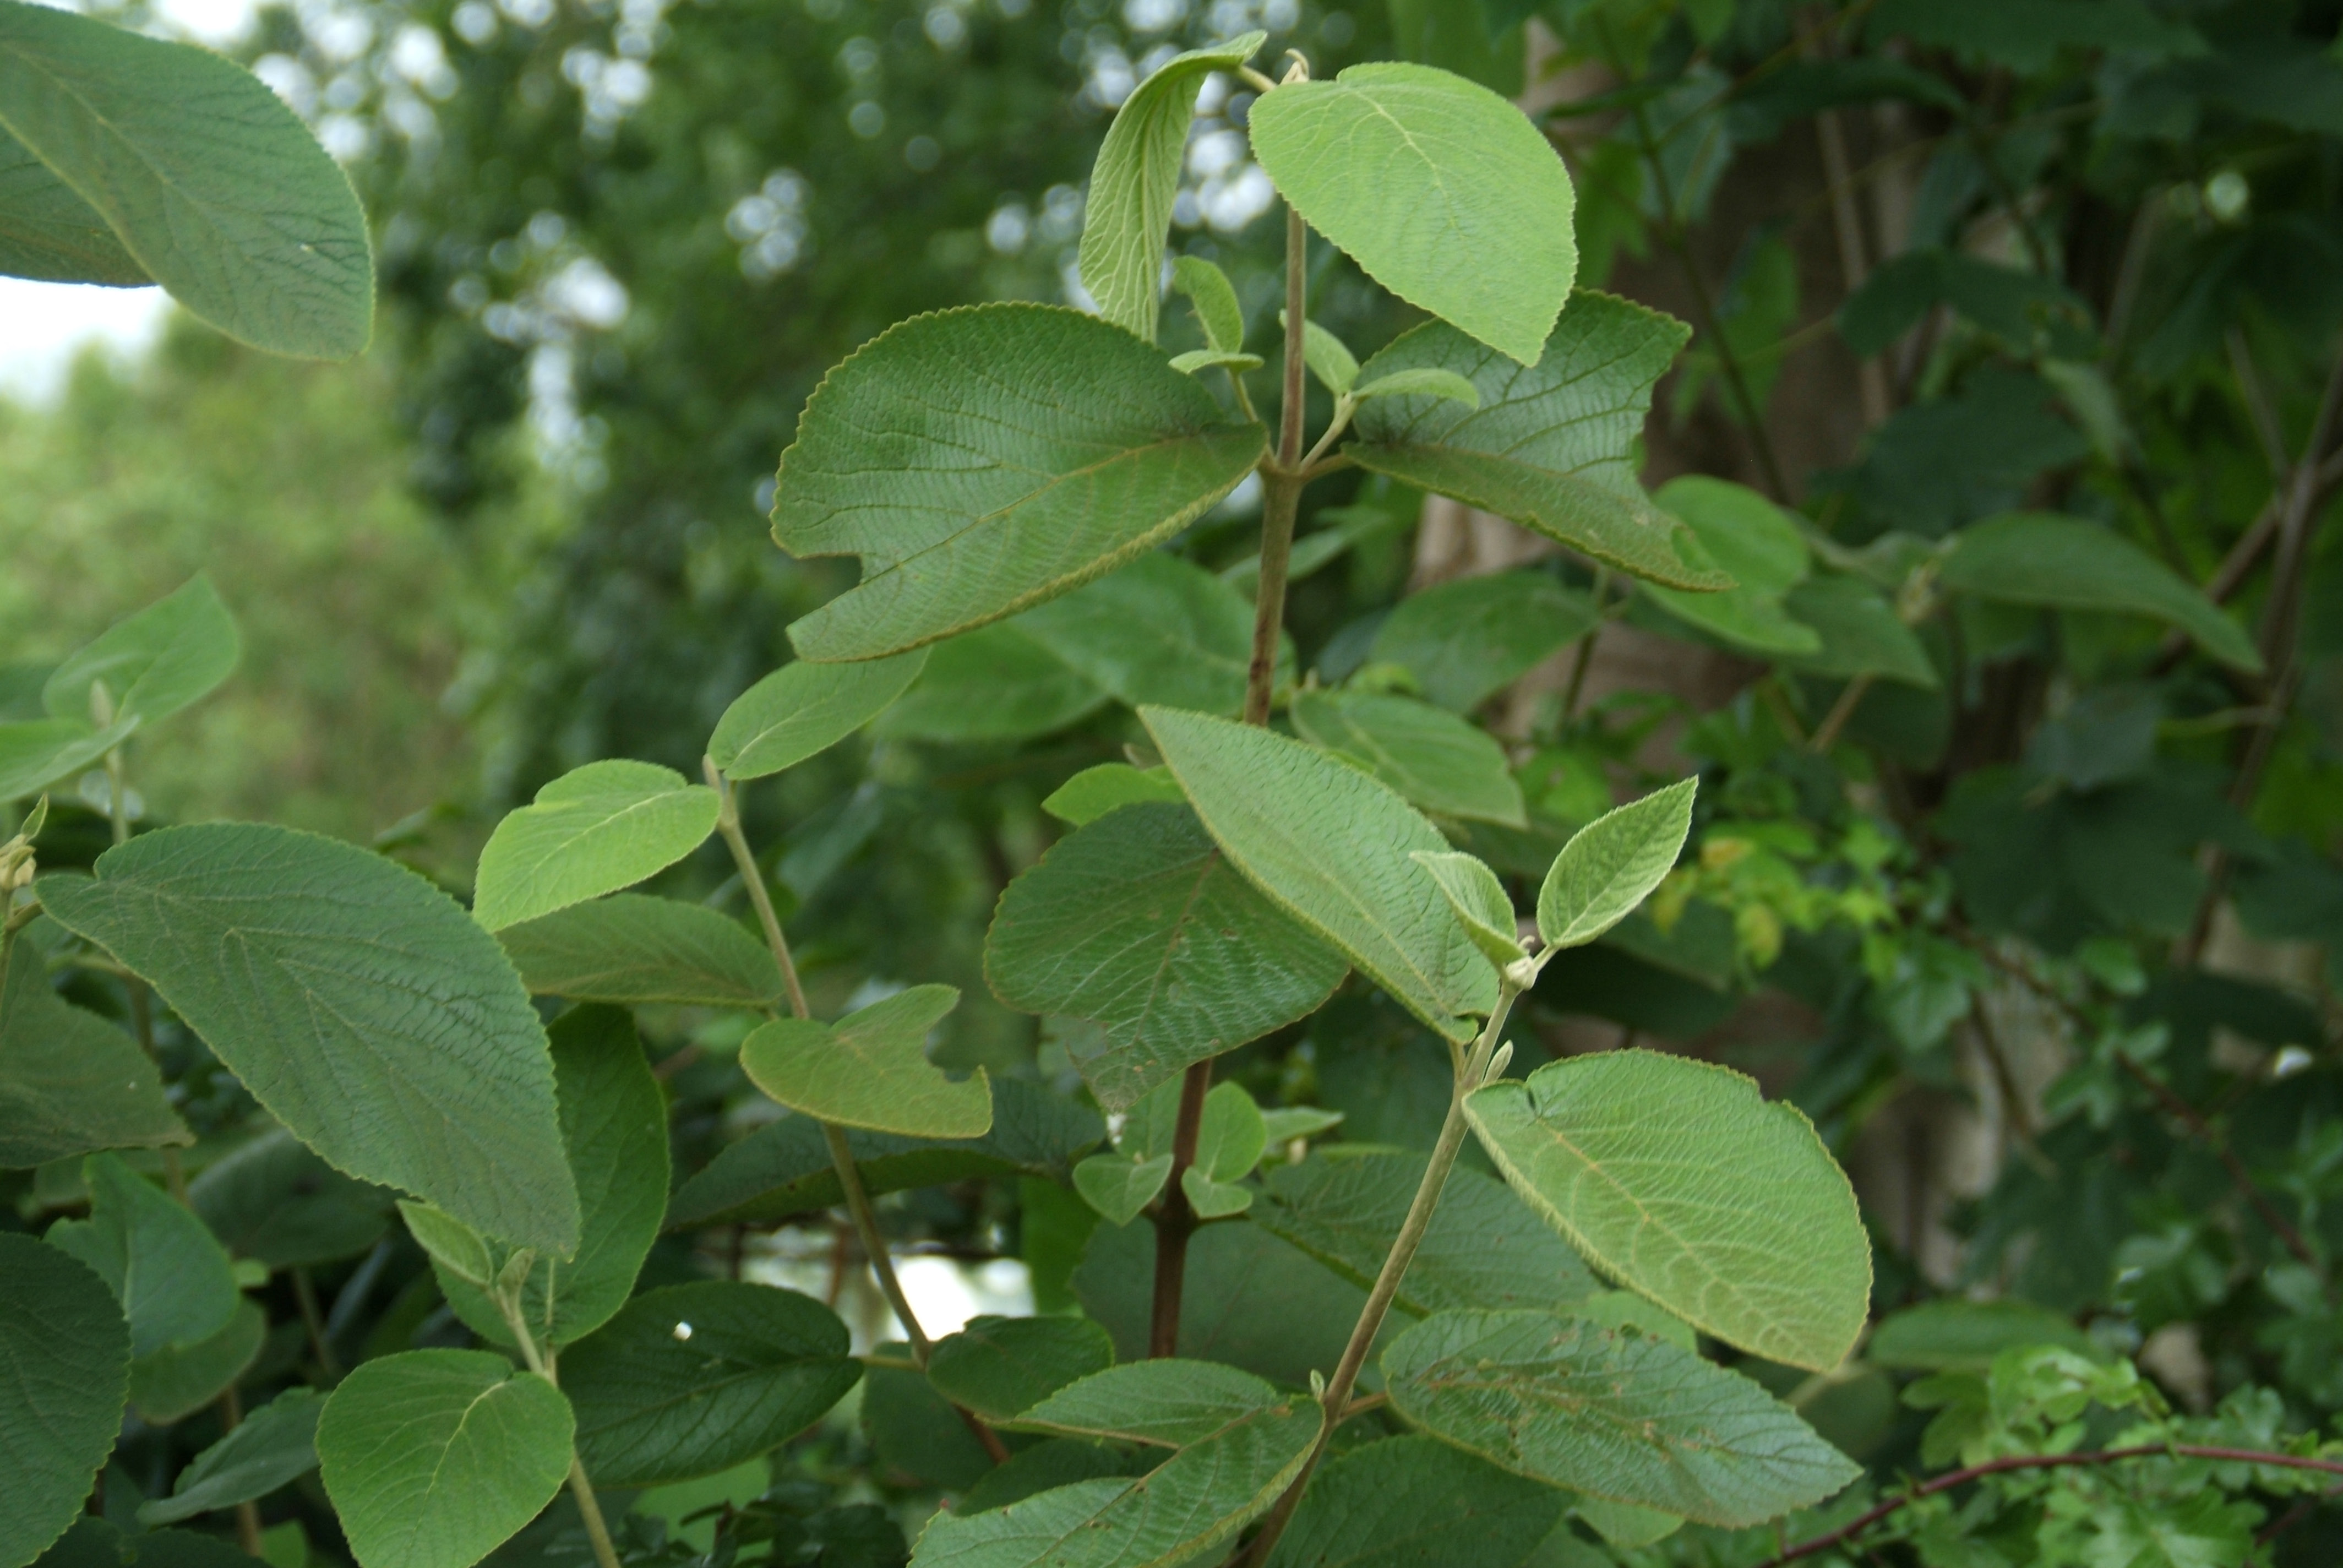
(306, 1293)
(1827, 735)
(1585, 655)
(2258, 408)
(728, 824)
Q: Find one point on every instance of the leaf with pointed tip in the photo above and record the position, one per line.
(358, 1003)
(593, 831)
(1551, 447)
(1119, 1186)
(1208, 288)
(1747, 537)
(1163, 1402)
(691, 1379)
(171, 1277)
(70, 1082)
(1001, 1367)
(68, 1345)
(1677, 1179)
(1128, 214)
(1464, 640)
(1612, 865)
(1161, 629)
(1094, 791)
(275, 1201)
(1330, 359)
(1139, 924)
(49, 234)
(1428, 754)
(871, 1068)
(170, 144)
(1329, 845)
(995, 683)
(803, 709)
(272, 1445)
(632, 948)
(983, 460)
(175, 1382)
(37, 752)
(1440, 190)
(154, 663)
(435, 1458)
(1479, 900)
(1424, 381)
(455, 1249)
(1614, 1414)
(1415, 1502)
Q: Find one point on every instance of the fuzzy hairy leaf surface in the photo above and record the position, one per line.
(1165, 1401)
(358, 1003)
(982, 460)
(632, 948)
(67, 1350)
(871, 1068)
(1677, 1179)
(70, 1082)
(1612, 864)
(49, 234)
(1436, 760)
(593, 831)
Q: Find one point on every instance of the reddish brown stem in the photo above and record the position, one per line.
(1175, 1219)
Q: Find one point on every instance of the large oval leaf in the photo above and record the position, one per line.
(982, 460)
(1675, 1178)
(631, 948)
(50, 234)
(358, 1003)
(593, 831)
(70, 1082)
(1443, 192)
(69, 1350)
(169, 144)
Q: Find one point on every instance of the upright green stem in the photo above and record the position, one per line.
(589, 1508)
(728, 824)
(1337, 1398)
(141, 1010)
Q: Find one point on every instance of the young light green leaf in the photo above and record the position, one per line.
(1139, 924)
(49, 234)
(1484, 1248)
(1001, 1367)
(1413, 1503)
(1552, 448)
(1614, 1414)
(593, 831)
(435, 1458)
(1162, 630)
(1436, 760)
(1284, 1123)
(169, 142)
(1747, 537)
(64, 1336)
(1464, 640)
(274, 1201)
(364, 1009)
(1479, 900)
(691, 1379)
(802, 710)
(1197, 359)
(272, 1445)
(1095, 791)
(995, 683)
(157, 661)
(456, 1250)
(70, 1082)
(1119, 1186)
(1859, 632)
(1329, 358)
(1675, 1178)
(1232, 1136)
(1215, 299)
(871, 1068)
(37, 752)
(981, 461)
(1128, 211)
(2064, 563)
(175, 1382)
(1329, 845)
(1612, 864)
(1440, 190)
(1214, 1200)
(632, 949)
(614, 1131)
(1426, 381)
(171, 1277)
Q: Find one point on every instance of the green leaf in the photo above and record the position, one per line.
(914, 1435)
(784, 1170)
(1250, 1300)
(691, 1379)
(171, 1277)
(1119, 1186)
(632, 949)
(1329, 845)
(871, 1068)
(1677, 1178)
(982, 460)
(170, 143)
(364, 1009)
(272, 1445)
(1197, 359)
(275, 1201)
(1427, 381)
(48, 233)
(1129, 212)
(593, 831)
(1230, 1141)
(1956, 1335)
(1746, 536)
(70, 1082)
(1287, 1122)
(1215, 299)
(94, 1543)
(68, 1349)
(176, 1381)
(1138, 924)
(1440, 190)
(999, 1367)
(434, 1458)
(1612, 864)
(2064, 563)
(456, 1250)
(37, 752)
(1614, 1414)
(1162, 630)
(168, 655)
(1437, 760)
(614, 1130)
(1412, 1503)
(1095, 791)
(802, 710)
(1552, 448)
(1484, 1248)
(995, 683)
(1165, 1402)
(1329, 358)
(1464, 640)
(1861, 633)
(1479, 900)
(1051, 1463)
